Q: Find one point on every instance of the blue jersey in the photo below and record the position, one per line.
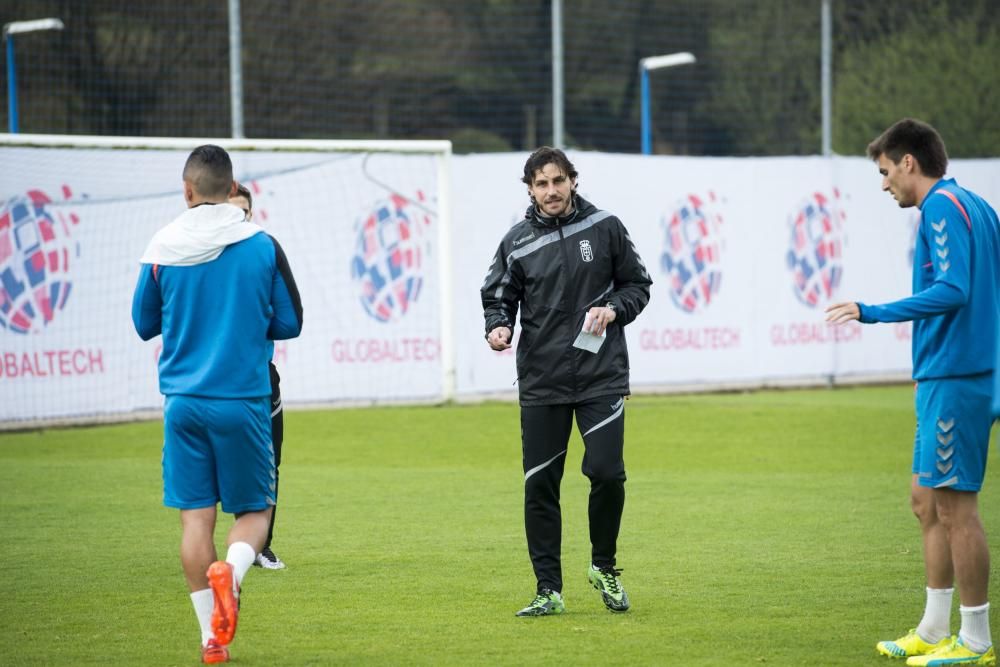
(955, 305)
(996, 385)
(219, 318)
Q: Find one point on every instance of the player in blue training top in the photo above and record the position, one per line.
(955, 309)
(996, 384)
(219, 291)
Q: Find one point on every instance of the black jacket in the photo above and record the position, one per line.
(555, 270)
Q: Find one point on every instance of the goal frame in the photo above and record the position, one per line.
(441, 149)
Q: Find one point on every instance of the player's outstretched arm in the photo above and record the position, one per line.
(950, 242)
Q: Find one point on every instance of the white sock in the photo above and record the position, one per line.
(241, 556)
(975, 632)
(203, 602)
(936, 623)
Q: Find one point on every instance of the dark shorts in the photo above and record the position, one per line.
(218, 450)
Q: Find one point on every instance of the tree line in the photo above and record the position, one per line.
(480, 73)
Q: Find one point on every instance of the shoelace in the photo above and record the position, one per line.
(610, 576)
(541, 599)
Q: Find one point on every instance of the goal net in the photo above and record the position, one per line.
(364, 224)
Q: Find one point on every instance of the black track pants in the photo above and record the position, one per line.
(545, 432)
(277, 436)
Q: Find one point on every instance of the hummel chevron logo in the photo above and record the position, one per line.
(945, 439)
(943, 253)
(945, 454)
(939, 227)
(944, 266)
(941, 240)
(945, 425)
(944, 467)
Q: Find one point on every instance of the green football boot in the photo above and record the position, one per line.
(606, 580)
(546, 603)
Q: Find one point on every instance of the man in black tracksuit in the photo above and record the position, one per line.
(267, 558)
(567, 266)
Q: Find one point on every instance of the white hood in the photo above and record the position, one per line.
(199, 235)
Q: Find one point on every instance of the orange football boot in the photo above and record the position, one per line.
(226, 611)
(212, 653)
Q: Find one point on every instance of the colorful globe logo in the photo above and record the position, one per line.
(392, 245)
(692, 252)
(36, 252)
(815, 254)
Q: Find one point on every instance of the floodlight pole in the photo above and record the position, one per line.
(826, 77)
(235, 70)
(9, 30)
(645, 66)
(558, 86)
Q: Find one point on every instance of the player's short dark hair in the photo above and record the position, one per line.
(209, 171)
(244, 191)
(916, 138)
(543, 156)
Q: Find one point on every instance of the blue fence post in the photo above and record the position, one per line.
(647, 131)
(11, 87)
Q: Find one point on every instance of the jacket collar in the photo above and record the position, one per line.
(581, 209)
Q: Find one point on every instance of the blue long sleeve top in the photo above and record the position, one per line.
(996, 385)
(219, 319)
(955, 306)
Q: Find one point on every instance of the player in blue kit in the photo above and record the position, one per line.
(996, 385)
(219, 291)
(955, 309)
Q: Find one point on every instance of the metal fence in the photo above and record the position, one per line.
(481, 74)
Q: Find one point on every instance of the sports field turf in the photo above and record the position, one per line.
(768, 528)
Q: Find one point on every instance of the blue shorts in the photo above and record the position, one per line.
(953, 431)
(217, 449)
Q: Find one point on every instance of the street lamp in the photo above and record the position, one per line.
(645, 66)
(9, 30)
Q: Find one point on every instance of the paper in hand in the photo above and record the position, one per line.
(589, 341)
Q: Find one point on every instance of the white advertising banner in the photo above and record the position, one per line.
(744, 253)
(358, 229)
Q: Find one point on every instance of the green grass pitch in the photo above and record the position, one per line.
(767, 528)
